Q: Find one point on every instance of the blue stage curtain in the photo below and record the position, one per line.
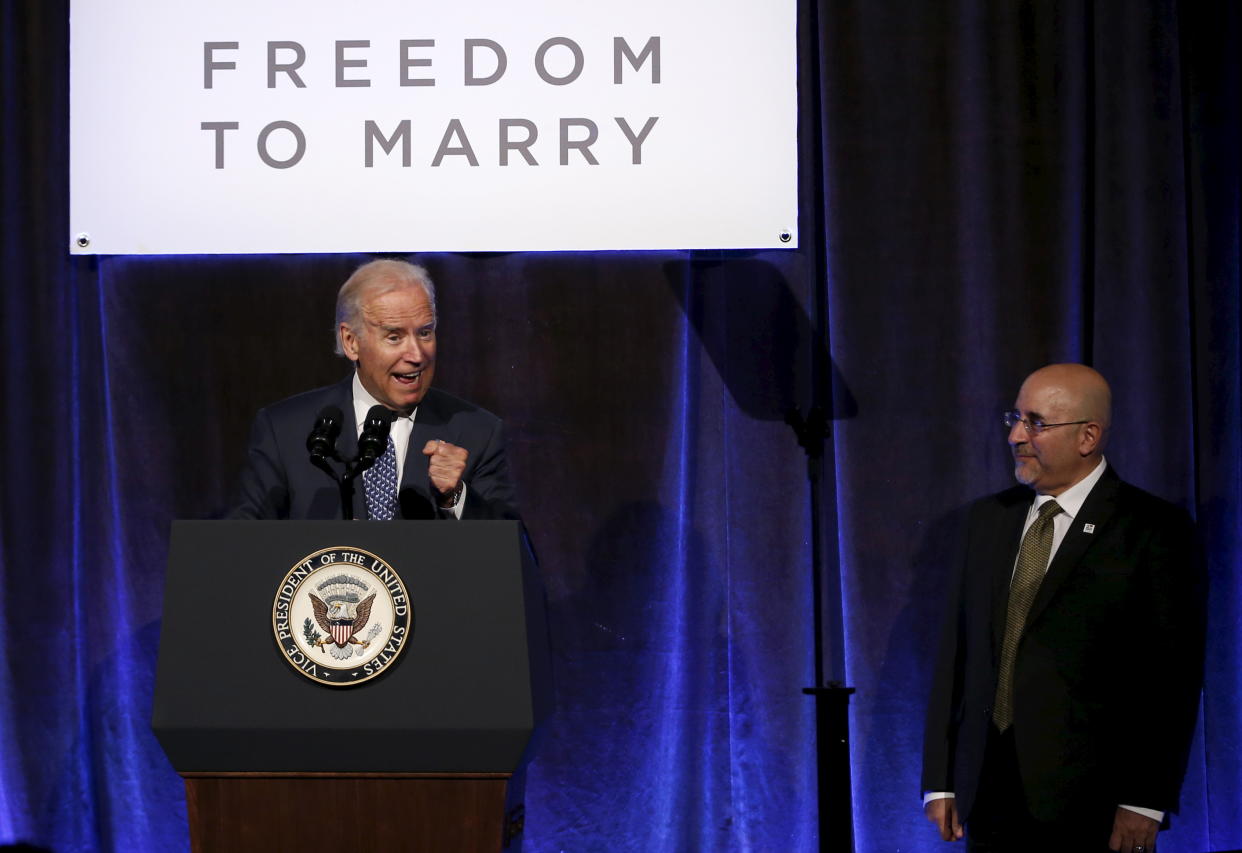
(1004, 185)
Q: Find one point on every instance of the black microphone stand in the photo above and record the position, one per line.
(371, 445)
(344, 481)
(832, 697)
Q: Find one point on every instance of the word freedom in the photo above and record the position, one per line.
(515, 136)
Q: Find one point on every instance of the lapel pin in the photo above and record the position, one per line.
(1088, 528)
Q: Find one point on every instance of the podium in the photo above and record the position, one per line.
(427, 753)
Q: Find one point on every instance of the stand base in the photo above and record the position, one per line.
(433, 812)
(832, 747)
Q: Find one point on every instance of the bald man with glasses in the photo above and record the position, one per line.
(1065, 694)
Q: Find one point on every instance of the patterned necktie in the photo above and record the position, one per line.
(1027, 576)
(380, 484)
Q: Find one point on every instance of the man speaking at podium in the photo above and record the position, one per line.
(444, 458)
(1065, 697)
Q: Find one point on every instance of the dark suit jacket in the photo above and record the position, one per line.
(1108, 670)
(279, 481)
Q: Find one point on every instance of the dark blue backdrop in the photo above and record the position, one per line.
(1004, 185)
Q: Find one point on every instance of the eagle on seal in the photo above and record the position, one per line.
(342, 618)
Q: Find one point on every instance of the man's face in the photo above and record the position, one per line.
(1049, 462)
(395, 350)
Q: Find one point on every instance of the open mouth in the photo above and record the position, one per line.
(408, 378)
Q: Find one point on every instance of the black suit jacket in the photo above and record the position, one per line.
(1108, 670)
(278, 480)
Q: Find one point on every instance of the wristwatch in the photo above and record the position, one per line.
(448, 500)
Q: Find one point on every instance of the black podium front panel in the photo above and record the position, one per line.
(463, 696)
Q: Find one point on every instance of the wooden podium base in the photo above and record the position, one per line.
(298, 812)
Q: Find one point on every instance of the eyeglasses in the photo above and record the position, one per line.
(1035, 426)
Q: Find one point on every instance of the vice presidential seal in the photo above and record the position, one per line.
(342, 616)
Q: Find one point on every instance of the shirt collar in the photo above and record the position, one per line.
(1071, 500)
(363, 401)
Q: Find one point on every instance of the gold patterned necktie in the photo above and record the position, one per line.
(1027, 576)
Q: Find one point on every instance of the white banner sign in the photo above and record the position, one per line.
(239, 126)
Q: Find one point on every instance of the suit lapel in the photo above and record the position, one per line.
(347, 443)
(429, 424)
(1097, 510)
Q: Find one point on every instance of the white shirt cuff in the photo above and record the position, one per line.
(1158, 817)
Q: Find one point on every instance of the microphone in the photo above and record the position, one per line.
(374, 438)
(321, 443)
